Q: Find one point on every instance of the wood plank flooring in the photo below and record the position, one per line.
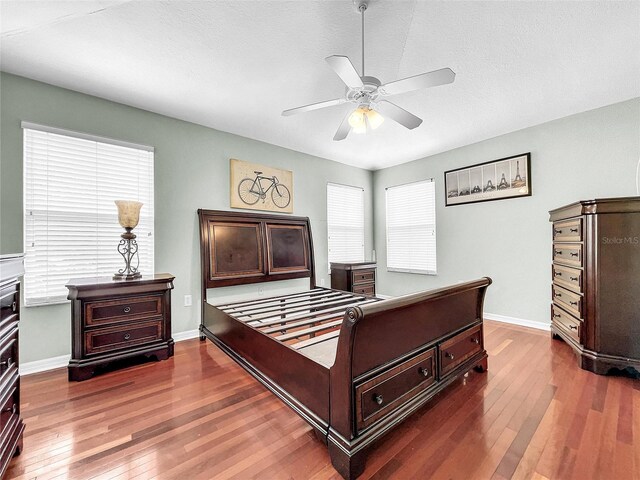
(533, 415)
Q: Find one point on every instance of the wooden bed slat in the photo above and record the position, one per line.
(224, 306)
(295, 308)
(314, 340)
(345, 302)
(301, 316)
(307, 331)
(275, 305)
(302, 323)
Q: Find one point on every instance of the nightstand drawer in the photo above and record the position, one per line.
(122, 309)
(363, 276)
(369, 290)
(115, 338)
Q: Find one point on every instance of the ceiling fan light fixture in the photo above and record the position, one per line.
(374, 119)
(356, 119)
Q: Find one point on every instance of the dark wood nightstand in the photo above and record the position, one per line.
(118, 319)
(354, 277)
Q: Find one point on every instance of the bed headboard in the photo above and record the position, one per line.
(237, 248)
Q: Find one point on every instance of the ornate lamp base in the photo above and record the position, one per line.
(128, 248)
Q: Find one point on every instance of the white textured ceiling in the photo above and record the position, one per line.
(235, 65)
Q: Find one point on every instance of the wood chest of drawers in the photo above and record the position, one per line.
(118, 319)
(354, 277)
(11, 425)
(596, 281)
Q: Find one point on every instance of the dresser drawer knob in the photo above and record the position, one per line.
(573, 279)
(127, 309)
(558, 252)
(573, 230)
(574, 254)
(557, 274)
(127, 336)
(13, 408)
(378, 399)
(558, 232)
(575, 304)
(6, 363)
(14, 307)
(424, 372)
(449, 355)
(556, 294)
(556, 315)
(475, 340)
(573, 327)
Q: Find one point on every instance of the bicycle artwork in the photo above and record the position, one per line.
(260, 187)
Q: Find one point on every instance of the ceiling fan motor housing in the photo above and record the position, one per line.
(366, 94)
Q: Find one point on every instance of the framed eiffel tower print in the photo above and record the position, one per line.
(508, 177)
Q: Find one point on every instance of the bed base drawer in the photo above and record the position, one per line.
(461, 347)
(381, 394)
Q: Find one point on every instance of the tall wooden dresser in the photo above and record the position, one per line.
(113, 320)
(596, 282)
(11, 425)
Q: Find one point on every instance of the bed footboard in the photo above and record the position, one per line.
(393, 357)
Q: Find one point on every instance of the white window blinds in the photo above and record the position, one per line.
(411, 228)
(71, 227)
(345, 223)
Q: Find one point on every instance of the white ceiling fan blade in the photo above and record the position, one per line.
(343, 129)
(424, 80)
(313, 106)
(345, 70)
(400, 115)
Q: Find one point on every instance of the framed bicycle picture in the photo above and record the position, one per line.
(259, 187)
(495, 180)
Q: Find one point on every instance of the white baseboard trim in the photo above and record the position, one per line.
(44, 365)
(518, 321)
(188, 335)
(52, 363)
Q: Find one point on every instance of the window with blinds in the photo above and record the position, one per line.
(411, 228)
(345, 223)
(71, 227)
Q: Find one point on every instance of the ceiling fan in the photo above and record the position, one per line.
(368, 93)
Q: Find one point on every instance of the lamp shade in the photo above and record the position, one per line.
(128, 213)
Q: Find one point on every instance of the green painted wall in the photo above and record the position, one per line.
(588, 155)
(191, 172)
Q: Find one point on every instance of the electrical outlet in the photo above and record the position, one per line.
(187, 300)
(322, 282)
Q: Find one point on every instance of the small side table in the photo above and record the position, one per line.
(354, 277)
(118, 319)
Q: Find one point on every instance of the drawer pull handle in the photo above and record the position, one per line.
(556, 294)
(378, 399)
(475, 340)
(573, 303)
(127, 309)
(573, 230)
(13, 408)
(558, 274)
(449, 355)
(14, 307)
(424, 372)
(574, 254)
(558, 252)
(127, 336)
(556, 315)
(573, 327)
(573, 279)
(6, 363)
(558, 232)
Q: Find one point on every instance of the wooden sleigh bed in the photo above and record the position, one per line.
(353, 367)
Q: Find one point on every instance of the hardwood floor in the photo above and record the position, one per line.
(533, 415)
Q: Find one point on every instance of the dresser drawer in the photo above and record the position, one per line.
(456, 350)
(369, 290)
(568, 230)
(570, 301)
(381, 394)
(363, 276)
(568, 254)
(10, 406)
(122, 309)
(570, 278)
(123, 336)
(9, 305)
(8, 353)
(566, 322)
